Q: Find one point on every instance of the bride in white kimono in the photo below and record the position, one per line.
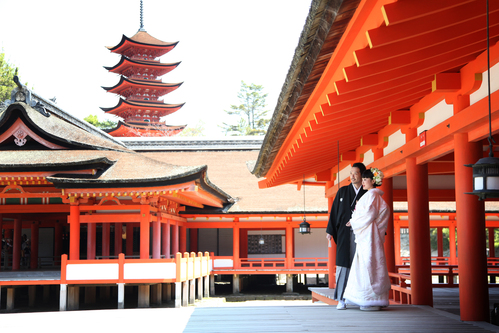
(369, 284)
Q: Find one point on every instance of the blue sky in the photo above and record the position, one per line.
(59, 47)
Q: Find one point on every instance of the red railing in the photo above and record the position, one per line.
(271, 264)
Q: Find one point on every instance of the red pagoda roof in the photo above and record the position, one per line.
(142, 40)
(152, 87)
(161, 108)
(125, 63)
(132, 129)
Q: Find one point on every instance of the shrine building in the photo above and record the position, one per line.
(409, 87)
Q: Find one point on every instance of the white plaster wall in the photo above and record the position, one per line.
(92, 272)
(395, 141)
(150, 271)
(368, 157)
(312, 245)
(483, 91)
(436, 115)
(344, 174)
(223, 263)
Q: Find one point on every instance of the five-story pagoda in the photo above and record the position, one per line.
(140, 87)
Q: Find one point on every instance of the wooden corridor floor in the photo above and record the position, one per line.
(215, 315)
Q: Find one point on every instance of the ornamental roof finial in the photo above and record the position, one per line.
(141, 18)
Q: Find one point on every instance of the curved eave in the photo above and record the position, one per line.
(207, 192)
(155, 44)
(126, 62)
(321, 34)
(408, 46)
(97, 163)
(125, 83)
(127, 130)
(53, 131)
(124, 105)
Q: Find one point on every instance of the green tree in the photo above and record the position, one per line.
(92, 119)
(197, 130)
(251, 112)
(7, 73)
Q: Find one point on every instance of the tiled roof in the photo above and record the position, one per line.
(229, 170)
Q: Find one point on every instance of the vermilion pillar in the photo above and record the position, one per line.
(183, 239)
(235, 245)
(419, 232)
(34, 245)
(106, 239)
(452, 242)
(243, 241)
(156, 238)
(331, 254)
(91, 240)
(118, 238)
(1, 228)
(175, 238)
(470, 216)
(16, 245)
(74, 232)
(144, 231)
(129, 239)
(193, 240)
(387, 188)
(165, 250)
(289, 246)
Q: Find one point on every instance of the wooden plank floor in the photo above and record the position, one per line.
(325, 318)
(214, 315)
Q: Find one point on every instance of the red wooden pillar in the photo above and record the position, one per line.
(331, 253)
(396, 232)
(74, 232)
(419, 232)
(289, 245)
(156, 238)
(243, 240)
(1, 233)
(182, 238)
(452, 243)
(175, 237)
(440, 242)
(235, 245)
(193, 240)
(91, 240)
(16, 244)
(470, 213)
(34, 245)
(129, 239)
(387, 188)
(106, 239)
(492, 250)
(118, 239)
(165, 249)
(144, 231)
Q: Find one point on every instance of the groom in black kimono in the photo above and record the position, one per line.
(341, 212)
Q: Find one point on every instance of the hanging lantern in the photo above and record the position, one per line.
(304, 227)
(486, 178)
(261, 241)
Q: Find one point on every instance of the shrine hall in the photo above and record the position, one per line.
(409, 87)
(123, 216)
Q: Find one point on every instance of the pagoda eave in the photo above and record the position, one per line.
(142, 40)
(152, 130)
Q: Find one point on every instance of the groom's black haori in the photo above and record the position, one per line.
(341, 212)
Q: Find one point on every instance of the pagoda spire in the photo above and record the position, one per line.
(141, 17)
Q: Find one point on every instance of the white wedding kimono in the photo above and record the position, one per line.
(369, 283)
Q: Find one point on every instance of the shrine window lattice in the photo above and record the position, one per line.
(272, 244)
